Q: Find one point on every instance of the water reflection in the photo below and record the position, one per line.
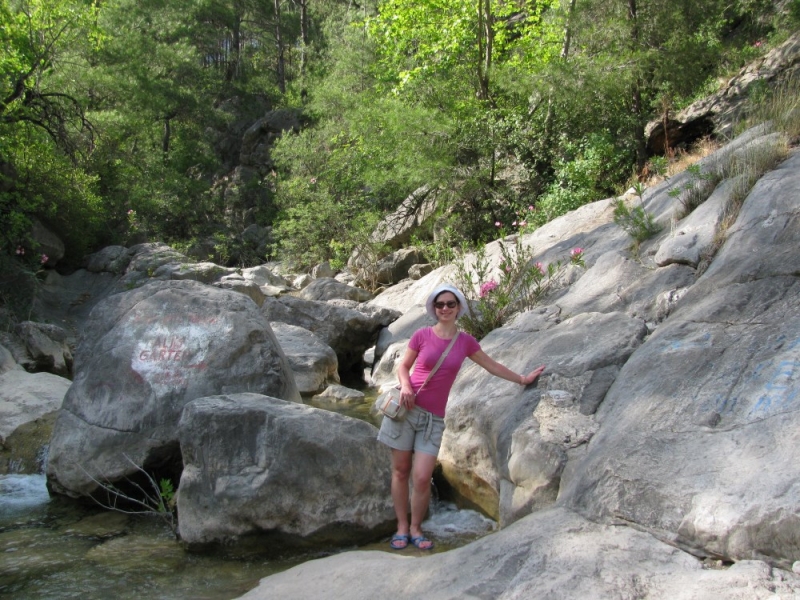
(57, 548)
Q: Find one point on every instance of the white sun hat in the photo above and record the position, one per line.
(446, 288)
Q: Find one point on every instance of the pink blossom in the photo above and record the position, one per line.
(758, 44)
(130, 212)
(488, 287)
(45, 258)
(20, 250)
(313, 180)
(530, 207)
(540, 266)
(576, 252)
(498, 224)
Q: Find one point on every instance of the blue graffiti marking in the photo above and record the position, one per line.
(780, 391)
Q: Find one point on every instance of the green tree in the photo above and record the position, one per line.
(38, 36)
(45, 130)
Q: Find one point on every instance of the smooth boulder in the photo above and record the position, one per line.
(313, 363)
(143, 355)
(262, 466)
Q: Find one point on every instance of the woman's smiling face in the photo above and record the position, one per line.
(446, 305)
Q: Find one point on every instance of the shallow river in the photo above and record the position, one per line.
(53, 548)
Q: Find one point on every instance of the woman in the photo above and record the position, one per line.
(420, 433)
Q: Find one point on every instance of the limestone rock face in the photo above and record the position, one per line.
(143, 355)
(664, 430)
(493, 426)
(699, 411)
(553, 554)
(257, 465)
(717, 114)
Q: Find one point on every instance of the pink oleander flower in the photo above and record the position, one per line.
(758, 44)
(523, 224)
(487, 287)
(540, 266)
(45, 258)
(498, 224)
(576, 252)
(530, 207)
(514, 224)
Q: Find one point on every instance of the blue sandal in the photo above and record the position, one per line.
(399, 541)
(420, 540)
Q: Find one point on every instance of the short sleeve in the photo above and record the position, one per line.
(471, 345)
(415, 343)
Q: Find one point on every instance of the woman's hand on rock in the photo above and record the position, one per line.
(531, 377)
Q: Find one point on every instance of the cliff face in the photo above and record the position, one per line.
(664, 431)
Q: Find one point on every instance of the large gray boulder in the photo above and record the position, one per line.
(28, 403)
(396, 229)
(261, 466)
(348, 331)
(67, 300)
(496, 451)
(48, 245)
(144, 354)
(47, 345)
(699, 432)
(553, 555)
(395, 266)
(327, 288)
(313, 362)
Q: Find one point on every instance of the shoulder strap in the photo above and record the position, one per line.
(440, 361)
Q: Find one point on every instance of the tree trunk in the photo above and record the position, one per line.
(281, 64)
(233, 68)
(166, 137)
(548, 120)
(568, 31)
(636, 93)
(485, 45)
(303, 34)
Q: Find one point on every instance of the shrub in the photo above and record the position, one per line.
(518, 286)
(636, 221)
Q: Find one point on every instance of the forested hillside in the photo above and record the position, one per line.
(122, 121)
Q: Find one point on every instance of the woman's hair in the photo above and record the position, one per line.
(436, 297)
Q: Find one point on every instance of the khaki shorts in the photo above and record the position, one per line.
(420, 431)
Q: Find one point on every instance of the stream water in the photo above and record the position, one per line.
(54, 548)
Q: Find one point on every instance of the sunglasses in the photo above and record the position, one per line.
(448, 304)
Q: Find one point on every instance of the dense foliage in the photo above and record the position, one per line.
(123, 120)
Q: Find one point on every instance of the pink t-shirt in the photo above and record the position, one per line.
(430, 347)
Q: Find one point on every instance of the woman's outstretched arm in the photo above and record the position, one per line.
(498, 370)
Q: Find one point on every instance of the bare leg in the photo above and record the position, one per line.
(401, 469)
(421, 493)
